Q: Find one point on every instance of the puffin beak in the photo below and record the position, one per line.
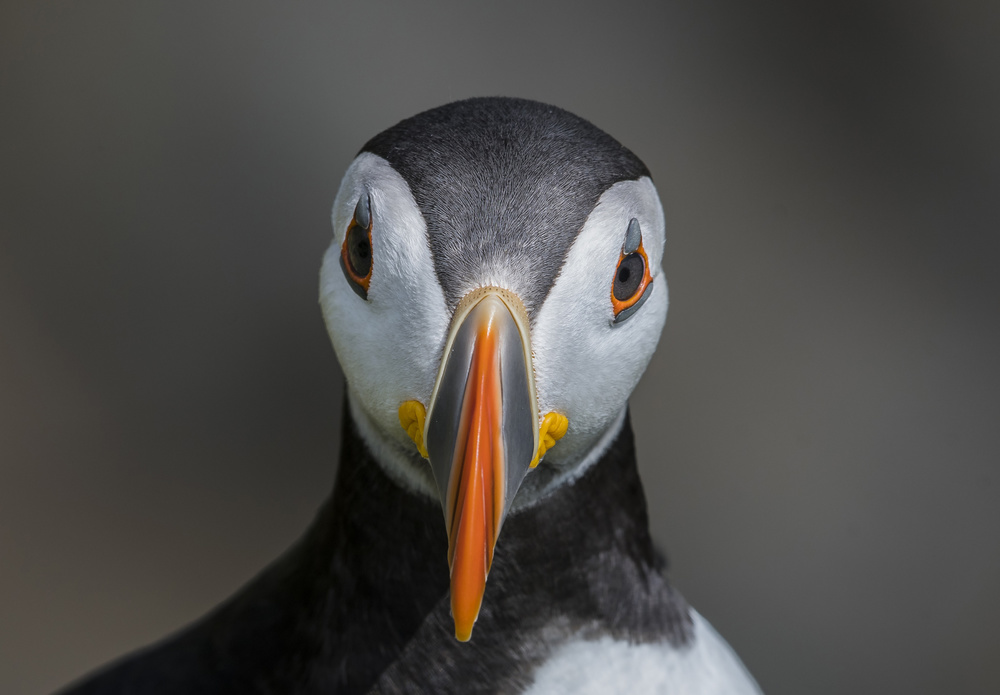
(481, 436)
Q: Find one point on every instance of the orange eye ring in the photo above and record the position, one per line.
(356, 251)
(626, 294)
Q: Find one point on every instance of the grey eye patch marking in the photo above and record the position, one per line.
(363, 211)
(630, 312)
(633, 237)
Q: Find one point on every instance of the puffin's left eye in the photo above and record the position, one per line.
(356, 253)
(630, 287)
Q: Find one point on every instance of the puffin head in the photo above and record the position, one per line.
(493, 292)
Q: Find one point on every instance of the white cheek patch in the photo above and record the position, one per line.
(585, 365)
(389, 345)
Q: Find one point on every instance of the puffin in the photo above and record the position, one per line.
(493, 291)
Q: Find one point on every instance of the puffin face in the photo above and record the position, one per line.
(493, 286)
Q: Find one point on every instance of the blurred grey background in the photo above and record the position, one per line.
(818, 432)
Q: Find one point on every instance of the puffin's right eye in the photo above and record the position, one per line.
(356, 253)
(632, 277)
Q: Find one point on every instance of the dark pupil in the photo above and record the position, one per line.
(628, 277)
(359, 251)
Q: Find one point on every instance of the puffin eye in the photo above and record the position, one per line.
(632, 279)
(631, 268)
(356, 253)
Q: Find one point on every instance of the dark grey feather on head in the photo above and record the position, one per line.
(505, 186)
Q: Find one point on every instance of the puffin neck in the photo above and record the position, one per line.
(363, 598)
(375, 561)
(370, 505)
(581, 562)
(581, 558)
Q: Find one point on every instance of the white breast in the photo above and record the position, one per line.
(706, 666)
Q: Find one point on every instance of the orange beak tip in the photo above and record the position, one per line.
(465, 611)
(463, 633)
(467, 590)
